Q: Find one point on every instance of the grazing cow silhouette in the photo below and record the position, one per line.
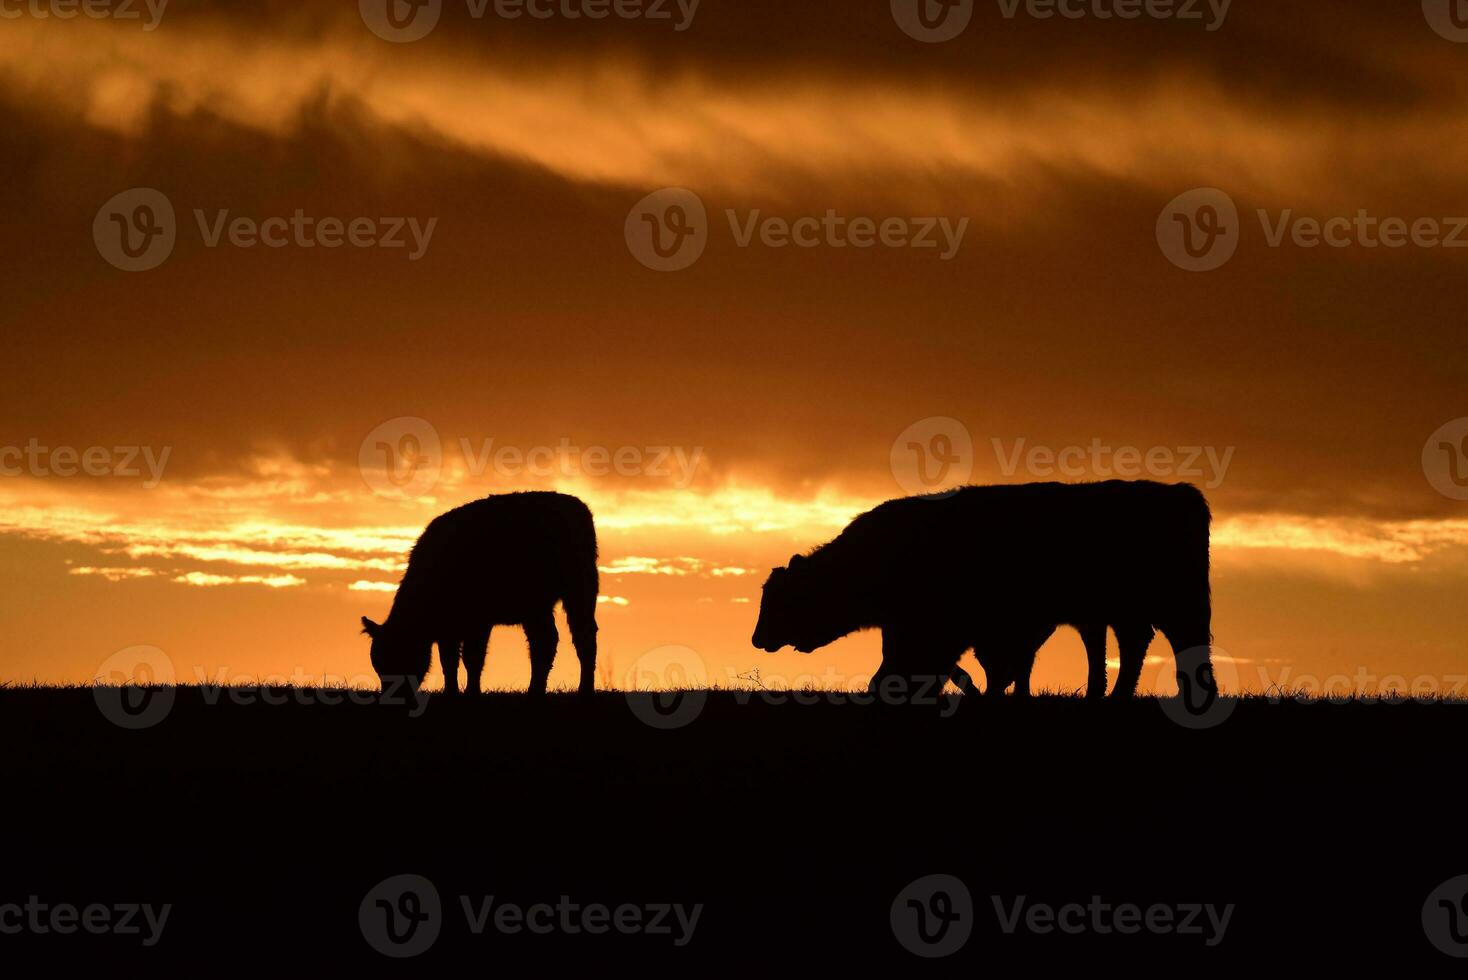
(997, 568)
(505, 560)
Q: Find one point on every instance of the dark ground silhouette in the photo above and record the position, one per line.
(794, 824)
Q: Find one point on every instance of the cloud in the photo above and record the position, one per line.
(1059, 321)
(1389, 542)
(208, 580)
(367, 585)
(114, 574)
(617, 115)
(168, 535)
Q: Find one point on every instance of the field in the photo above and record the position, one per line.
(790, 821)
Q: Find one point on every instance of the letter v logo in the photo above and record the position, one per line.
(932, 21)
(1445, 917)
(1199, 231)
(401, 916)
(135, 230)
(1445, 459)
(400, 21)
(667, 230)
(1449, 18)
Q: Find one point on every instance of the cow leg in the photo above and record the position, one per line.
(581, 615)
(1020, 648)
(1022, 675)
(543, 639)
(998, 667)
(997, 658)
(998, 674)
(1024, 664)
(476, 648)
(948, 669)
(896, 652)
(448, 659)
(962, 680)
(1192, 648)
(1093, 635)
(1132, 639)
(920, 660)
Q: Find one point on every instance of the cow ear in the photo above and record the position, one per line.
(370, 628)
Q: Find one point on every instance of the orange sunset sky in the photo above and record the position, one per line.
(787, 382)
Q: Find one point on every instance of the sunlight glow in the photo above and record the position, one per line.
(164, 530)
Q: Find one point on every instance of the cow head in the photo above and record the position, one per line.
(397, 657)
(792, 611)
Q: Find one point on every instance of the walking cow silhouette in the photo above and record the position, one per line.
(997, 568)
(505, 560)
